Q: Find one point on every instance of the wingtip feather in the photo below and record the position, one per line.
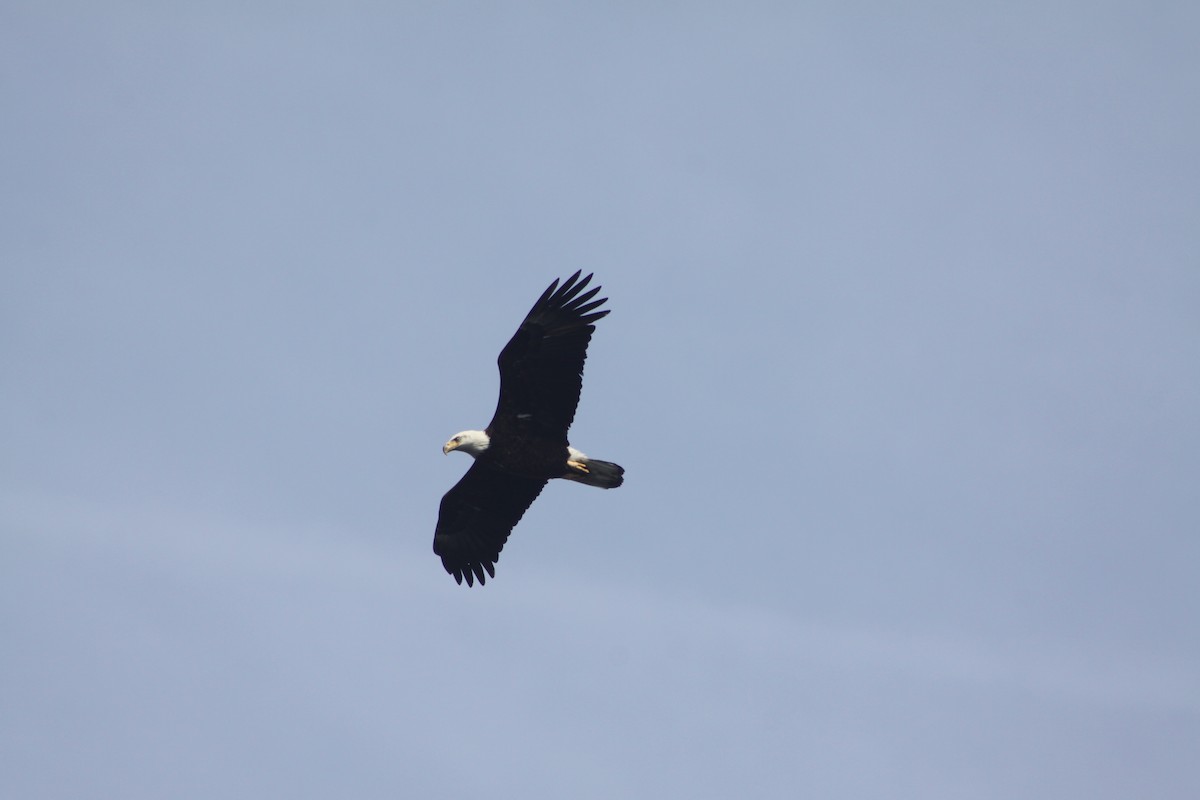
(569, 284)
(592, 305)
(580, 299)
(546, 295)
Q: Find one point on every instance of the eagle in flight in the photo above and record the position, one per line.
(525, 444)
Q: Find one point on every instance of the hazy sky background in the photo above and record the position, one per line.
(903, 366)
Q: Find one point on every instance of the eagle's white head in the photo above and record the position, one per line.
(473, 442)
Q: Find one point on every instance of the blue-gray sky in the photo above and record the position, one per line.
(903, 364)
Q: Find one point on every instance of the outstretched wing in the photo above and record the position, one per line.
(541, 367)
(476, 517)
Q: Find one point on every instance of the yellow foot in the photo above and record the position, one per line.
(579, 465)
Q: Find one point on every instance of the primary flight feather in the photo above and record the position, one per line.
(525, 445)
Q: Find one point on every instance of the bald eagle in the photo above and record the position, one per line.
(525, 444)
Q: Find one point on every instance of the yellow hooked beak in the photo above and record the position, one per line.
(448, 446)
